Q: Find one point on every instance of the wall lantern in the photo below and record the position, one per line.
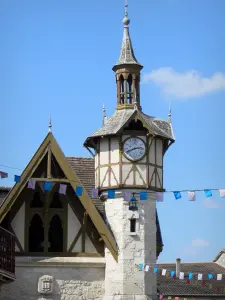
(133, 203)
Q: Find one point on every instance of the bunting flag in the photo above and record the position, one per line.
(94, 193)
(141, 267)
(219, 276)
(143, 195)
(208, 193)
(62, 189)
(177, 195)
(47, 186)
(172, 273)
(200, 276)
(181, 275)
(79, 191)
(191, 195)
(3, 175)
(190, 276)
(163, 272)
(16, 178)
(127, 196)
(146, 268)
(31, 184)
(210, 276)
(111, 194)
(159, 197)
(222, 193)
(160, 297)
(155, 270)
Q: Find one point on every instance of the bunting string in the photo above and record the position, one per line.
(178, 194)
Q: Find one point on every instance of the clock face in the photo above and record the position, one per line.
(134, 148)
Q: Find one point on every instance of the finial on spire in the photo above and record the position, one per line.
(104, 118)
(126, 20)
(170, 112)
(50, 124)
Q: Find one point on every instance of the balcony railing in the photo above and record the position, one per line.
(7, 255)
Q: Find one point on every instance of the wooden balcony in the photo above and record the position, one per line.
(7, 256)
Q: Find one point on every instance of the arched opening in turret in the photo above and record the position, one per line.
(136, 125)
(137, 88)
(122, 94)
(129, 89)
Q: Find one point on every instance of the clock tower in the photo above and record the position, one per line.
(128, 152)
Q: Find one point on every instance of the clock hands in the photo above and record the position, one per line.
(134, 149)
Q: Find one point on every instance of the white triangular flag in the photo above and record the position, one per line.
(146, 268)
(181, 275)
(62, 189)
(222, 193)
(199, 276)
(163, 272)
(219, 276)
(191, 196)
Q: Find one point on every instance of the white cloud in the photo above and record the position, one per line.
(210, 203)
(199, 243)
(185, 85)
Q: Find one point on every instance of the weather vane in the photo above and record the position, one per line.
(126, 7)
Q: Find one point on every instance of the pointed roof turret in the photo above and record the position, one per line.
(127, 56)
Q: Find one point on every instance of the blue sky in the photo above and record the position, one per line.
(56, 57)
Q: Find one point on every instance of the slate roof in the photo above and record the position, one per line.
(169, 287)
(85, 170)
(121, 117)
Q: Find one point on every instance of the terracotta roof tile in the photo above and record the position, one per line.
(170, 287)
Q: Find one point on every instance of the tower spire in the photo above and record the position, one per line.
(170, 112)
(127, 53)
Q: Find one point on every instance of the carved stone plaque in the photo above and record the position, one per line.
(45, 285)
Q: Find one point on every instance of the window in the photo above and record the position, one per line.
(129, 89)
(46, 216)
(132, 225)
(122, 94)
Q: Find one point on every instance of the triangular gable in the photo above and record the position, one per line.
(50, 143)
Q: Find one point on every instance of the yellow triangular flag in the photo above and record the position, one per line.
(167, 274)
(224, 290)
(169, 297)
(185, 298)
(210, 285)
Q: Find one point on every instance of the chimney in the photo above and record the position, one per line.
(178, 267)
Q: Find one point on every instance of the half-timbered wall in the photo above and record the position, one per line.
(113, 169)
(74, 227)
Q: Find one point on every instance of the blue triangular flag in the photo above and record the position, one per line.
(143, 195)
(172, 273)
(79, 191)
(141, 266)
(208, 193)
(111, 194)
(16, 178)
(47, 186)
(155, 270)
(177, 195)
(210, 276)
(190, 276)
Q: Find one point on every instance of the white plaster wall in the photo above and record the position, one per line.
(152, 153)
(116, 174)
(104, 176)
(114, 150)
(142, 171)
(123, 280)
(127, 179)
(70, 283)
(18, 225)
(221, 260)
(73, 228)
(104, 151)
(159, 155)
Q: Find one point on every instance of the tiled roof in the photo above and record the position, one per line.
(121, 117)
(85, 170)
(176, 287)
